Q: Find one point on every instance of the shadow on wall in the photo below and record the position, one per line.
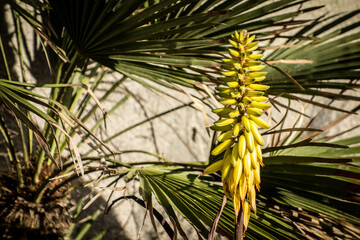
(41, 73)
(33, 53)
(130, 213)
(107, 223)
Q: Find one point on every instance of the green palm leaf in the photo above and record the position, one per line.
(198, 201)
(299, 194)
(128, 37)
(332, 57)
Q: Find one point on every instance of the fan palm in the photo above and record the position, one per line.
(177, 45)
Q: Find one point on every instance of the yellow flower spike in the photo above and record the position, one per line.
(234, 154)
(259, 87)
(252, 93)
(252, 63)
(257, 74)
(234, 113)
(246, 100)
(247, 164)
(250, 39)
(237, 66)
(226, 166)
(254, 111)
(227, 67)
(260, 105)
(224, 136)
(222, 89)
(230, 181)
(237, 36)
(241, 106)
(249, 141)
(253, 159)
(223, 95)
(252, 198)
(242, 146)
(260, 122)
(224, 122)
(216, 166)
(251, 44)
(259, 154)
(229, 73)
(259, 79)
(223, 113)
(242, 187)
(255, 132)
(249, 81)
(226, 90)
(222, 110)
(240, 118)
(255, 56)
(233, 43)
(228, 101)
(240, 77)
(259, 99)
(237, 171)
(246, 209)
(227, 60)
(222, 147)
(235, 94)
(237, 203)
(242, 89)
(256, 173)
(242, 37)
(246, 123)
(221, 129)
(236, 129)
(233, 84)
(227, 153)
(255, 68)
(250, 180)
(233, 52)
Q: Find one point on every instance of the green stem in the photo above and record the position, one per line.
(4, 58)
(26, 151)
(12, 152)
(39, 194)
(71, 68)
(30, 140)
(39, 165)
(53, 95)
(18, 38)
(24, 147)
(41, 158)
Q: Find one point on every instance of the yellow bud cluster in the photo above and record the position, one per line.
(243, 98)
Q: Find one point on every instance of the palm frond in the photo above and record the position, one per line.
(198, 201)
(300, 193)
(317, 182)
(331, 59)
(160, 41)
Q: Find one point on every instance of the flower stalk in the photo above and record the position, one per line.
(244, 100)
